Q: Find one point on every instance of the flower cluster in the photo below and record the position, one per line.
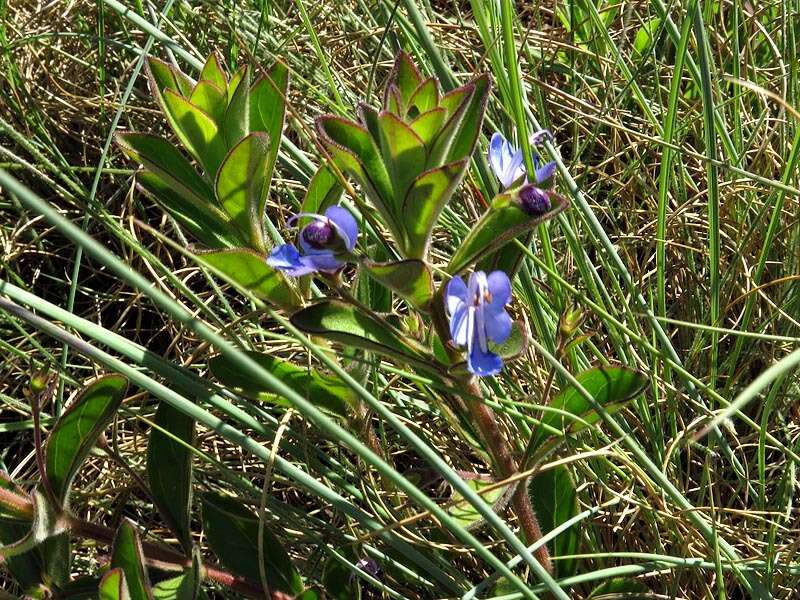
(477, 309)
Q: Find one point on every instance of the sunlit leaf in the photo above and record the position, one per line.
(504, 221)
(471, 121)
(169, 470)
(214, 73)
(250, 270)
(183, 587)
(236, 123)
(242, 182)
(403, 152)
(323, 190)
(211, 99)
(113, 586)
(197, 132)
(427, 126)
(424, 98)
(76, 432)
(405, 76)
(465, 514)
(232, 532)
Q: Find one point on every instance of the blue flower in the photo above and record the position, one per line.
(323, 242)
(478, 315)
(507, 164)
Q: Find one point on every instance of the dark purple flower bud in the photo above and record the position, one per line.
(533, 200)
(319, 234)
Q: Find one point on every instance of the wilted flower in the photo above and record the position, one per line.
(507, 164)
(323, 243)
(478, 315)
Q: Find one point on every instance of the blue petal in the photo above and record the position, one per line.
(483, 364)
(496, 146)
(286, 258)
(323, 261)
(546, 172)
(459, 326)
(455, 294)
(346, 223)
(499, 287)
(497, 324)
(515, 169)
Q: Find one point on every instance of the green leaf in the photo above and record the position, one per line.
(211, 99)
(349, 325)
(204, 221)
(555, 502)
(644, 37)
(471, 120)
(248, 269)
(455, 102)
(611, 388)
(504, 221)
(76, 432)
(236, 78)
(410, 279)
(57, 553)
(169, 470)
(403, 154)
(113, 586)
(213, 72)
(323, 190)
(242, 183)
(338, 579)
(236, 124)
(197, 132)
(466, 515)
(127, 555)
(424, 203)
(232, 532)
(166, 161)
(620, 588)
(325, 391)
(268, 112)
(163, 76)
(405, 76)
(355, 152)
(428, 125)
(26, 567)
(184, 587)
(424, 98)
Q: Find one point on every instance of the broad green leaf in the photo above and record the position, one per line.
(424, 98)
(166, 161)
(76, 432)
(268, 112)
(183, 587)
(455, 102)
(620, 588)
(113, 586)
(555, 501)
(410, 279)
(169, 470)
(46, 523)
(163, 77)
(405, 76)
(248, 269)
(349, 325)
(323, 190)
(356, 153)
(611, 388)
(241, 185)
(471, 121)
(428, 125)
(209, 98)
(466, 515)
(26, 567)
(232, 532)
(424, 203)
(214, 73)
(504, 221)
(644, 37)
(57, 553)
(197, 132)
(236, 78)
(403, 153)
(325, 391)
(392, 101)
(204, 221)
(236, 123)
(127, 555)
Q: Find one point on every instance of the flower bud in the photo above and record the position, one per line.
(570, 320)
(534, 200)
